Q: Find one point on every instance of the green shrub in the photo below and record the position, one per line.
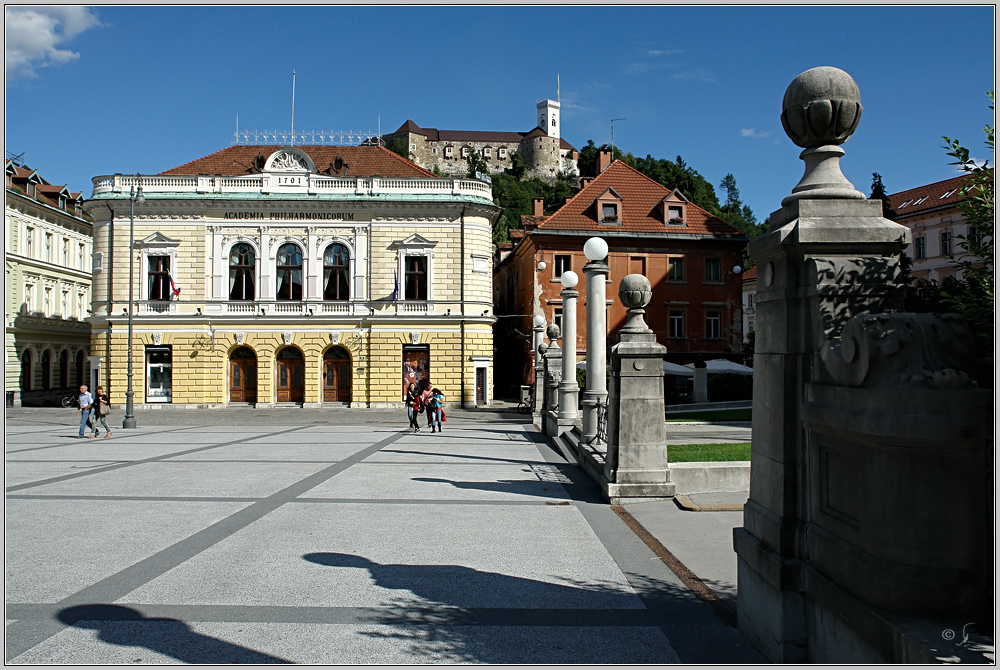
(728, 386)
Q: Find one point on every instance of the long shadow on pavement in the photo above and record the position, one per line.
(127, 627)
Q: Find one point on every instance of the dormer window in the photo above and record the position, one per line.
(675, 209)
(608, 208)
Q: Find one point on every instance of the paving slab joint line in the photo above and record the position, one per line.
(719, 606)
(685, 503)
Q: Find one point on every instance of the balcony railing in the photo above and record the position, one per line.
(311, 184)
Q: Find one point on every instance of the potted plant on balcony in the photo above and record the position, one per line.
(610, 219)
(677, 221)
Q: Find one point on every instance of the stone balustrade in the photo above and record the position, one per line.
(311, 184)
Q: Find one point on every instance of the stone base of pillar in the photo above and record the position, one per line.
(553, 425)
(620, 494)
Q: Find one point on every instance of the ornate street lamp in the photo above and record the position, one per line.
(134, 196)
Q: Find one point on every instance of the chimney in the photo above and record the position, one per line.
(538, 207)
(603, 160)
(585, 181)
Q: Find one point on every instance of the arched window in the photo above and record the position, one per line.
(336, 265)
(242, 269)
(81, 372)
(26, 371)
(46, 370)
(289, 272)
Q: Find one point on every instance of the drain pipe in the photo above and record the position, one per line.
(461, 268)
(111, 272)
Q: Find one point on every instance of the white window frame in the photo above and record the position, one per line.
(670, 323)
(716, 316)
(502, 152)
(156, 244)
(415, 245)
(228, 249)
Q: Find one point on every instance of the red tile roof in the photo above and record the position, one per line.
(751, 274)
(364, 161)
(641, 207)
(909, 203)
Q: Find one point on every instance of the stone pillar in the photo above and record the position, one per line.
(538, 332)
(700, 382)
(569, 390)
(552, 359)
(828, 257)
(596, 392)
(636, 461)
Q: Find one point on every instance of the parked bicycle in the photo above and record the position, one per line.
(602, 424)
(71, 400)
(527, 405)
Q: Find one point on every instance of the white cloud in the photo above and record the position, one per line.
(33, 35)
(753, 132)
(662, 52)
(698, 75)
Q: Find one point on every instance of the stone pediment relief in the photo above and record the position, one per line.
(157, 239)
(414, 241)
(289, 159)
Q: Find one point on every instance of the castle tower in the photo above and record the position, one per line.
(548, 117)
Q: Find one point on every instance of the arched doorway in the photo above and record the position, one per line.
(64, 369)
(46, 370)
(243, 375)
(290, 375)
(26, 370)
(81, 372)
(336, 375)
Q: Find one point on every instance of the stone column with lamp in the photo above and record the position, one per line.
(636, 461)
(552, 365)
(596, 391)
(569, 389)
(538, 336)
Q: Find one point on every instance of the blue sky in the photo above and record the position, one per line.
(95, 91)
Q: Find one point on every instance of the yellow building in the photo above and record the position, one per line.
(308, 275)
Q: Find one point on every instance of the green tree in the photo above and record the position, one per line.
(518, 168)
(476, 163)
(734, 212)
(399, 146)
(878, 193)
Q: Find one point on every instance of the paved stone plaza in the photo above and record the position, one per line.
(322, 536)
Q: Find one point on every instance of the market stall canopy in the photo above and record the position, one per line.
(675, 369)
(717, 365)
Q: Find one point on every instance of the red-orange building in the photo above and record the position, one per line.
(687, 254)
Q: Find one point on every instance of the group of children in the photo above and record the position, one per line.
(421, 397)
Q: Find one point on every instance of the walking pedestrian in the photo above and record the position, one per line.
(413, 406)
(86, 403)
(425, 401)
(102, 407)
(437, 405)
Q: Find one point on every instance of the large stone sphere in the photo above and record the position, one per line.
(821, 106)
(635, 292)
(553, 332)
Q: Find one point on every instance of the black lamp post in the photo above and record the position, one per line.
(134, 196)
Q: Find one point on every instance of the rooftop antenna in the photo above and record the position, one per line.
(292, 143)
(613, 137)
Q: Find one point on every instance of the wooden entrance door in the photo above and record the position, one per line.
(243, 375)
(291, 375)
(336, 375)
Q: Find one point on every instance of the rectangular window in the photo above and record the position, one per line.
(48, 247)
(81, 256)
(677, 323)
(713, 325)
(713, 269)
(434, 151)
(64, 306)
(29, 242)
(637, 265)
(80, 314)
(159, 277)
(503, 152)
(448, 152)
(415, 280)
(557, 315)
(159, 374)
(487, 152)
(564, 263)
(29, 298)
(946, 243)
(676, 271)
(65, 255)
(609, 211)
(675, 215)
(465, 152)
(919, 248)
(47, 306)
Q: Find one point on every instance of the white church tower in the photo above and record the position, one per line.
(548, 117)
